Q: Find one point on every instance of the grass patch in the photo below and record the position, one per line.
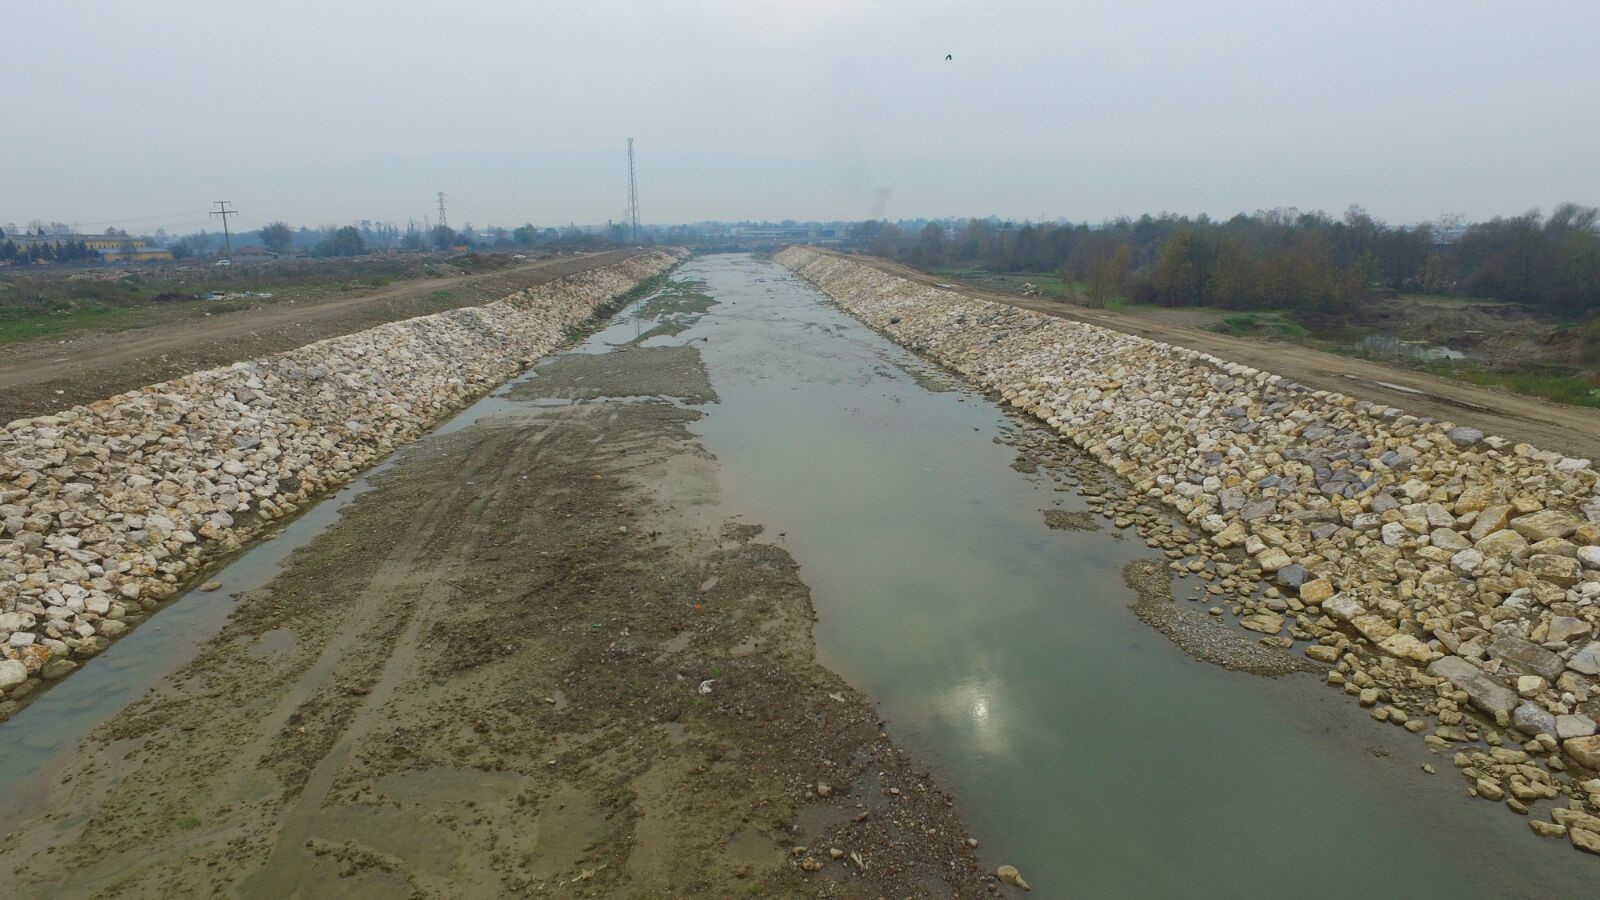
(1576, 389)
(1047, 284)
(51, 325)
(678, 297)
(1258, 323)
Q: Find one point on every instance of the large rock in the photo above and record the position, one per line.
(1589, 557)
(1272, 559)
(1526, 656)
(1531, 718)
(1315, 591)
(1485, 691)
(1545, 524)
(1266, 622)
(1490, 519)
(1576, 725)
(1587, 659)
(1565, 628)
(12, 673)
(1586, 750)
(1407, 647)
(1291, 576)
(1343, 607)
(1503, 544)
(1468, 563)
(1558, 570)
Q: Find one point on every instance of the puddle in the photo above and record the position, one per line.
(1082, 746)
(1422, 351)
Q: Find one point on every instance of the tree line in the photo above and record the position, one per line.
(1280, 258)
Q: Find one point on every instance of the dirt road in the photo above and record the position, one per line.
(41, 377)
(1549, 426)
(537, 658)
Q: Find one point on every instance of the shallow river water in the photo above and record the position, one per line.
(1081, 745)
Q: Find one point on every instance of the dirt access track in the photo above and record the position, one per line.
(538, 658)
(1571, 430)
(38, 378)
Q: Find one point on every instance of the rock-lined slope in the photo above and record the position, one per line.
(106, 508)
(1444, 573)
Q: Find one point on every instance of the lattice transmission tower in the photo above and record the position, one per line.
(633, 196)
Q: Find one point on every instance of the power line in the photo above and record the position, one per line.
(223, 211)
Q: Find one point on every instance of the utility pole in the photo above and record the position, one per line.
(443, 223)
(633, 195)
(223, 211)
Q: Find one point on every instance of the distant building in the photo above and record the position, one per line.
(92, 241)
(113, 248)
(134, 254)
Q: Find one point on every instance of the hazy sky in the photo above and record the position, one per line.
(321, 112)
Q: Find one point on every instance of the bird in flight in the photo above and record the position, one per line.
(949, 56)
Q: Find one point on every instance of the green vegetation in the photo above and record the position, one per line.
(1048, 284)
(1241, 324)
(678, 297)
(1551, 384)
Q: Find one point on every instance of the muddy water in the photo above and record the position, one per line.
(1083, 747)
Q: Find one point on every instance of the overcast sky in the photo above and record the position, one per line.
(323, 112)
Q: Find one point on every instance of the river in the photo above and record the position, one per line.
(1081, 745)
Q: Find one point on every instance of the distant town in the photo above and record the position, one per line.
(58, 244)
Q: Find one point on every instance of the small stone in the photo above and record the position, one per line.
(1547, 829)
(1324, 653)
(211, 586)
(1585, 840)
(1265, 623)
(1010, 876)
